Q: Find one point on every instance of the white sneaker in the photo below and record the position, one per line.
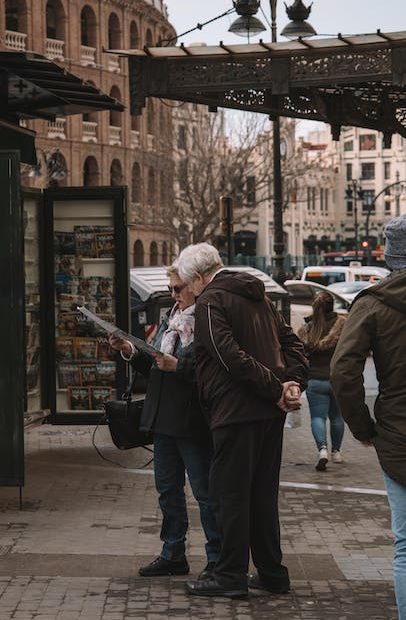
(337, 457)
(323, 460)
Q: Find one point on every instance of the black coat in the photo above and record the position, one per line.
(244, 351)
(171, 403)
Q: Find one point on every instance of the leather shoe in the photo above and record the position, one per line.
(161, 567)
(256, 583)
(207, 571)
(211, 587)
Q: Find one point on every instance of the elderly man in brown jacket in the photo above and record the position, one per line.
(250, 367)
(377, 323)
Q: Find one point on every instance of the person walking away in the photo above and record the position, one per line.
(377, 323)
(181, 435)
(250, 368)
(320, 335)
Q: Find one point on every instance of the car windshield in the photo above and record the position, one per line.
(349, 287)
(325, 277)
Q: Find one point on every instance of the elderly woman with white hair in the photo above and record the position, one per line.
(181, 435)
(250, 369)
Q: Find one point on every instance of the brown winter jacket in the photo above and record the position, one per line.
(244, 350)
(320, 355)
(377, 322)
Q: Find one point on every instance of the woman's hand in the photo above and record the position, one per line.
(119, 344)
(166, 362)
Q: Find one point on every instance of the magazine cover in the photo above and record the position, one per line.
(106, 372)
(68, 302)
(66, 264)
(64, 242)
(104, 352)
(99, 395)
(105, 244)
(105, 288)
(85, 243)
(68, 375)
(104, 305)
(67, 324)
(88, 374)
(85, 349)
(79, 398)
(65, 349)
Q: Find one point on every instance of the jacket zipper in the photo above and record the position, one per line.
(212, 339)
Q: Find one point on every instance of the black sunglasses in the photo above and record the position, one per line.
(177, 288)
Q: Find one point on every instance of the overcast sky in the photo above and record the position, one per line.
(327, 17)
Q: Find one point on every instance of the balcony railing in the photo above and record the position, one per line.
(56, 129)
(114, 135)
(113, 63)
(55, 49)
(87, 56)
(16, 40)
(89, 131)
(135, 138)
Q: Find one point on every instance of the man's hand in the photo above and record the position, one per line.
(290, 399)
(119, 344)
(166, 362)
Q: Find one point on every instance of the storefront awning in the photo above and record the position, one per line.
(355, 80)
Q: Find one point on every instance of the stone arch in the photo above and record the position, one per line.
(55, 20)
(134, 35)
(153, 254)
(149, 40)
(114, 32)
(91, 173)
(116, 172)
(88, 27)
(16, 15)
(138, 254)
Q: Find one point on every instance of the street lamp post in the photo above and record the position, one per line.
(355, 192)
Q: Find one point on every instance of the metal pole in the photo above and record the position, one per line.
(355, 195)
(279, 246)
(397, 194)
(230, 240)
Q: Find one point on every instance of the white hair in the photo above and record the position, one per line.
(199, 259)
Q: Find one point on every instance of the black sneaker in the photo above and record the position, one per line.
(255, 582)
(207, 571)
(161, 567)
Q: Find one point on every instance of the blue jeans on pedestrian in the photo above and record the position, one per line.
(397, 503)
(323, 406)
(172, 456)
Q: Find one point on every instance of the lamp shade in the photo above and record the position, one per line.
(246, 26)
(298, 28)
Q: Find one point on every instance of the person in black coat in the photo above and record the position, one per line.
(181, 436)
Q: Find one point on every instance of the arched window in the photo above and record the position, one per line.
(90, 172)
(114, 32)
(16, 15)
(150, 117)
(151, 187)
(153, 254)
(136, 183)
(116, 117)
(88, 29)
(55, 18)
(164, 253)
(134, 36)
(148, 38)
(138, 254)
(116, 173)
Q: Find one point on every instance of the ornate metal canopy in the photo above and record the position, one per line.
(349, 80)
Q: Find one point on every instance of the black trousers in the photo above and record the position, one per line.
(244, 485)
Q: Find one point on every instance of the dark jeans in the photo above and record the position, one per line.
(244, 485)
(172, 456)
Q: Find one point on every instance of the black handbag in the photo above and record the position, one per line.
(123, 418)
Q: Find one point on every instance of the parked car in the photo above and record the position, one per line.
(349, 290)
(302, 295)
(355, 273)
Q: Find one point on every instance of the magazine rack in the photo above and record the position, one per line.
(86, 264)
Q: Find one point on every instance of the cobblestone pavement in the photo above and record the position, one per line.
(72, 553)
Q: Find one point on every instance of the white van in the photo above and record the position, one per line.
(331, 275)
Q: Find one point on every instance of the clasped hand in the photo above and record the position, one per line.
(290, 399)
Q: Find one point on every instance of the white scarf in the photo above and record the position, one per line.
(181, 323)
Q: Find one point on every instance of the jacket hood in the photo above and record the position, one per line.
(390, 291)
(239, 283)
